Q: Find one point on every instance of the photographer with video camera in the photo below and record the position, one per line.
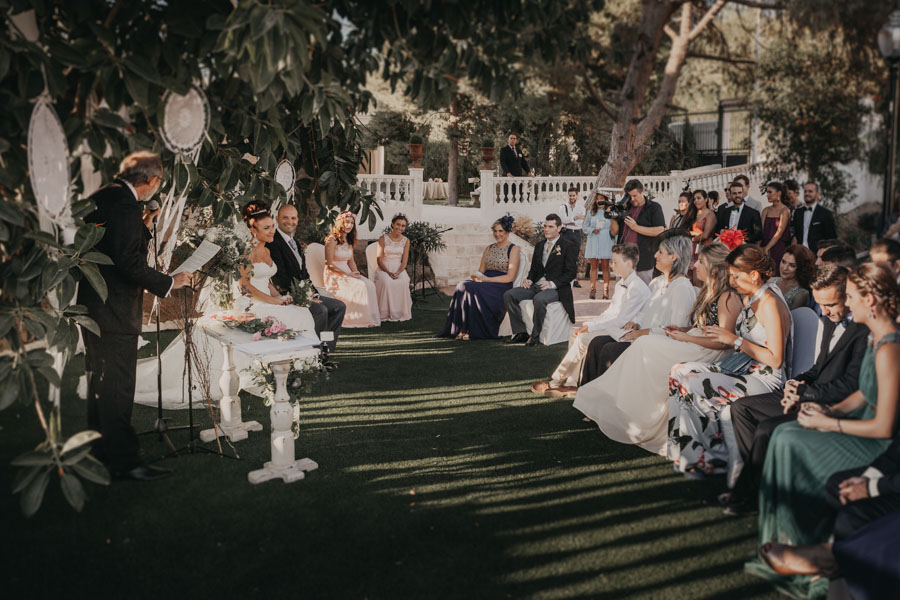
(636, 220)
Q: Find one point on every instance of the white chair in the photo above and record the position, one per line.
(372, 259)
(524, 265)
(315, 265)
(806, 323)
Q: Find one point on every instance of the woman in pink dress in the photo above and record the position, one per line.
(391, 278)
(342, 278)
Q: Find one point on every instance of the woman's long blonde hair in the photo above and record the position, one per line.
(715, 255)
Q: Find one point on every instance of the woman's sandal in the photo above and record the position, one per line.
(593, 294)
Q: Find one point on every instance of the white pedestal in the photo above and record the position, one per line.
(283, 464)
(230, 425)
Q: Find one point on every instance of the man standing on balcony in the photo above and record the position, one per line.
(572, 214)
(640, 225)
(513, 164)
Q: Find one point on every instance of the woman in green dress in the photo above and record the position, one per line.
(802, 455)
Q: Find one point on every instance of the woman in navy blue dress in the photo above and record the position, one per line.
(477, 308)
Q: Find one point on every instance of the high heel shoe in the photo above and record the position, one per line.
(593, 294)
(605, 293)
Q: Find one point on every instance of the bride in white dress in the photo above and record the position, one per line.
(260, 298)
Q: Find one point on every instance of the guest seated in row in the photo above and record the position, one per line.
(327, 313)
(635, 409)
(598, 248)
(630, 297)
(798, 267)
(391, 278)
(840, 345)
(342, 278)
(671, 297)
(553, 268)
(887, 252)
(804, 454)
(256, 279)
(477, 309)
(701, 438)
(866, 532)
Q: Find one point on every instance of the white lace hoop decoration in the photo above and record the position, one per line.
(185, 120)
(285, 175)
(48, 165)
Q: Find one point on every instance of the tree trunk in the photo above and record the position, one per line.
(633, 128)
(453, 155)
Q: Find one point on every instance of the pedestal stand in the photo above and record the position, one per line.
(230, 425)
(283, 464)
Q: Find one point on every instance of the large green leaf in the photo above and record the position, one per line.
(79, 439)
(73, 491)
(34, 493)
(92, 274)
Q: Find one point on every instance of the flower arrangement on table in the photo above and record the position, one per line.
(267, 327)
(301, 378)
(732, 237)
(225, 269)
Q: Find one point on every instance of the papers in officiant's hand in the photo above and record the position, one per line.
(202, 255)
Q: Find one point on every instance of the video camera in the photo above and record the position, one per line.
(615, 209)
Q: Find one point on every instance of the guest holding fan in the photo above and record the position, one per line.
(391, 278)
(342, 278)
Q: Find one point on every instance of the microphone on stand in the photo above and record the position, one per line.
(153, 205)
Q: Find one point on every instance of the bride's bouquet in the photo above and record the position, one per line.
(225, 269)
(302, 292)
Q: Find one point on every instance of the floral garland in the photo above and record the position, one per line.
(300, 380)
(225, 269)
(268, 327)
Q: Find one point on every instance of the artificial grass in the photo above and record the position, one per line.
(441, 476)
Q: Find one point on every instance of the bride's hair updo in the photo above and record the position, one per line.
(254, 211)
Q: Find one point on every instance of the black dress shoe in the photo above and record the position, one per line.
(576, 284)
(531, 342)
(330, 365)
(517, 338)
(144, 473)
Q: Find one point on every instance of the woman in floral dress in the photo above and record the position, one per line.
(701, 437)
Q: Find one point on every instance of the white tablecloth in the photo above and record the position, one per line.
(435, 190)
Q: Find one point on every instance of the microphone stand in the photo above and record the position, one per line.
(419, 263)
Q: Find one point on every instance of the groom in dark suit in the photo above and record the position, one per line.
(111, 359)
(553, 267)
(833, 377)
(739, 215)
(327, 313)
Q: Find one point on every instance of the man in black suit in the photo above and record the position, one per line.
(111, 359)
(738, 215)
(513, 164)
(865, 494)
(813, 222)
(553, 267)
(327, 313)
(641, 225)
(841, 344)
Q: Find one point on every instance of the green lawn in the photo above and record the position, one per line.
(440, 476)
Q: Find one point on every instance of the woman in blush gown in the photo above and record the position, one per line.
(342, 278)
(776, 219)
(391, 278)
(635, 410)
(477, 308)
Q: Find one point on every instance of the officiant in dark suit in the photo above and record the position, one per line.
(739, 215)
(841, 344)
(327, 313)
(111, 358)
(553, 267)
(813, 222)
(513, 164)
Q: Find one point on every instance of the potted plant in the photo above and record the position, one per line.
(487, 154)
(415, 150)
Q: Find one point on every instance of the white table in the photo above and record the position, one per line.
(279, 355)
(435, 190)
